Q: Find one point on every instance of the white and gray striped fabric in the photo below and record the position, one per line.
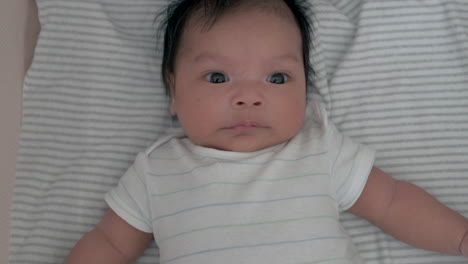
(392, 73)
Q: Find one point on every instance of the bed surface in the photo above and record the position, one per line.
(17, 39)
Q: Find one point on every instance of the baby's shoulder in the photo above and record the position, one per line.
(165, 147)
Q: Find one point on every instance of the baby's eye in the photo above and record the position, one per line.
(278, 78)
(216, 77)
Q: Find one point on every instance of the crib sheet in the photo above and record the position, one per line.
(392, 73)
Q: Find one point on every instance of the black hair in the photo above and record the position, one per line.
(179, 11)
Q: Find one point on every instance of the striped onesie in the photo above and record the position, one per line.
(276, 205)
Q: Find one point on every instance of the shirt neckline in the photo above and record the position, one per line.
(228, 155)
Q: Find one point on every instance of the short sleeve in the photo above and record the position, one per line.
(129, 199)
(350, 163)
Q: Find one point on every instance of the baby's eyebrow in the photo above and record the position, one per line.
(216, 57)
(209, 56)
(286, 57)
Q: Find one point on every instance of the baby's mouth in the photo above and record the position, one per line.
(245, 126)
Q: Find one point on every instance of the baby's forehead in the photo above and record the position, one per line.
(205, 15)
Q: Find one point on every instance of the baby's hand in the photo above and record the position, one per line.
(464, 245)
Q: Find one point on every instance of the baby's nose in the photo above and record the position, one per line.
(246, 102)
(248, 99)
(248, 95)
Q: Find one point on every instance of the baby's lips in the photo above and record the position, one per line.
(247, 123)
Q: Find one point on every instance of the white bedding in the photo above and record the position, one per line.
(393, 74)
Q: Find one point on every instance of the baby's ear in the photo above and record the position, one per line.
(173, 107)
(171, 83)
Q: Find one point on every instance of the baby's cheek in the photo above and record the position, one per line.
(296, 122)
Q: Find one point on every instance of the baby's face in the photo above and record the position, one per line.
(240, 85)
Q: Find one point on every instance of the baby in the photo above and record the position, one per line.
(260, 175)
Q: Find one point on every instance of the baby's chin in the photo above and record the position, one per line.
(243, 149)
(247, 145)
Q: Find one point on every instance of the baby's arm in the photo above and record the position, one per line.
(411, 215)
(112, 241)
